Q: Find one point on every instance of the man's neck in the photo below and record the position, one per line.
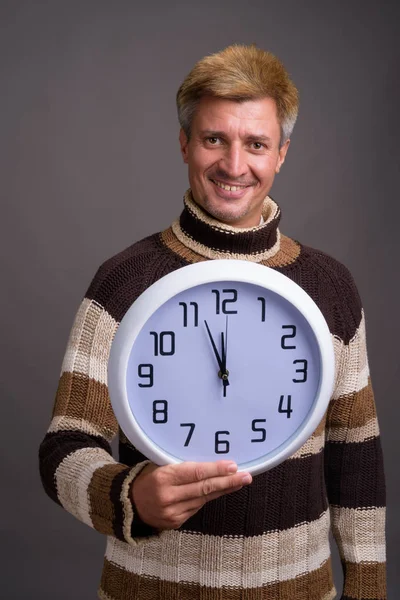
(211, 238)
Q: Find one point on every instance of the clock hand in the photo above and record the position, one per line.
(222, 372)
(223, 356)
(217, 356)
(224, 342)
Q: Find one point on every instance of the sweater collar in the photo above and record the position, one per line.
(212, 239)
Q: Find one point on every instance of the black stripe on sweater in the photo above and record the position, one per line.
(115, 497)
(290, 494)
(354, 474)
(56, 447)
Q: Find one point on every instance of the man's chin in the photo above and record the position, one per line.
(229, 215)
(230, 211)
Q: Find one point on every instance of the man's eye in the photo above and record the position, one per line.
(213, 140)
(257, 145)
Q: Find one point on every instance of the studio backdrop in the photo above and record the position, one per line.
(90, 163)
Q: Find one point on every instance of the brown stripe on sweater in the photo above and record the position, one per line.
(171, 241)
(291, 493)
(118, 584)
(288, 252)
(353, 410)
(107, 480)
(80, 397)
(286, 255)
(370, 578)
(355, 434)
(349, 472)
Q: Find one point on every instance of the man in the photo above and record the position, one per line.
(203, 530)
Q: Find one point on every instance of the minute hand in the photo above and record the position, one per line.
(224, 344)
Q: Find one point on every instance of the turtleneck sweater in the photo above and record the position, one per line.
(269, 540)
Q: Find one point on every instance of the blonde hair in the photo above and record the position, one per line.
(239, 73)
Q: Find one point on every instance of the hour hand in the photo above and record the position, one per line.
(217, 356)
(222, 368)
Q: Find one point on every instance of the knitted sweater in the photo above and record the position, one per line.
(270, 540)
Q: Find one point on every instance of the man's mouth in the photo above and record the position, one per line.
(229, 188)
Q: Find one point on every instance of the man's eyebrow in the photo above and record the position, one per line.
(253, 137)
(212, 133)
(258, 138)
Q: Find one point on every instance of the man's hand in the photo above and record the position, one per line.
(165, 497)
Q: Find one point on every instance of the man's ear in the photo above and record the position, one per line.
(282, 155)
(184, 145)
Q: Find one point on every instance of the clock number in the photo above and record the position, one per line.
(225, 302)
(144, 375)
(288, 336)
(262, 300)
(259, 429)
(288, 410)
(160, 411)
(189, 437)
(160, 344)
(221, 446)
(303, 370)
(185, 313)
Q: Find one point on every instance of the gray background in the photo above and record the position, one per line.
(90, 163)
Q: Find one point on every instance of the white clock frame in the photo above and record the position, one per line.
(215, 271)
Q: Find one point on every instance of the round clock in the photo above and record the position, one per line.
(221, 359)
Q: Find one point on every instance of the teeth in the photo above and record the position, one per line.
(228, 188)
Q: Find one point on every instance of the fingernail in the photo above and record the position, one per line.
(232, 468)
(247, 479)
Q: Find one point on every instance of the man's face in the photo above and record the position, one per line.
(233, 155)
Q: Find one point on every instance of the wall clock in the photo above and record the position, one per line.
(221, 359)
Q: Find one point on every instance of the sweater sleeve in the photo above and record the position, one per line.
(354, 469)
(76, 464)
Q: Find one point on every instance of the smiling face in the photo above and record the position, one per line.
(233, 155)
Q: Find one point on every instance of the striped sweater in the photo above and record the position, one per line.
(270, 540)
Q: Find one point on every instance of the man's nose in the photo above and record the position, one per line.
(234, 161)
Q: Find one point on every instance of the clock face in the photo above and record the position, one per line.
(223, 369)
